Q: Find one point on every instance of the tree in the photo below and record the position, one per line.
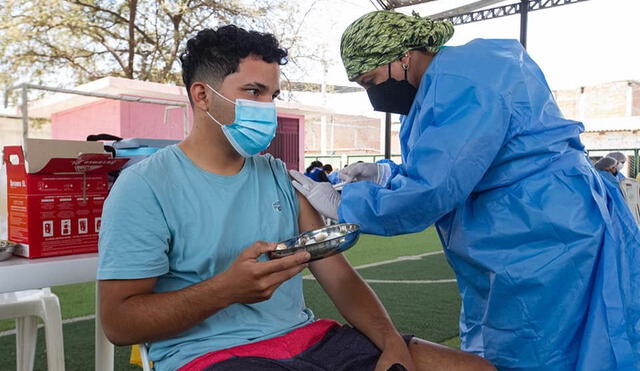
(83, 40)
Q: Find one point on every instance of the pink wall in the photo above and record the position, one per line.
(121, 118)
(76, 123)
(146, 120)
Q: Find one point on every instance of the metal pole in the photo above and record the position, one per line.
(25, 115)
(464, 9)
(101, 95)
(387, 136)
(6, 116)
(185, 121)
(524, 12)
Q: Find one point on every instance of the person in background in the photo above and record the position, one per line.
(608, 169)
(332, 176)
(621, 158)
(315, 172)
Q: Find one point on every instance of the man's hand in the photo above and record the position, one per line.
(361, 171)
(320, 195)
(395, 351)
(131, 312)
(251, 281)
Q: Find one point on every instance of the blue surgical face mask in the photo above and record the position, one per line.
(254, 127)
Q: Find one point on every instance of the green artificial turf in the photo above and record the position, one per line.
(78, 350)
(432, 267)
(371, 249)
(429, 311)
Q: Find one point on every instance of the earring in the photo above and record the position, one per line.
(405, 66)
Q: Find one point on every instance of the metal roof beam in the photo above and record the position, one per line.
(393, 4)
(506, 10)
(464, 9)
(315, 87)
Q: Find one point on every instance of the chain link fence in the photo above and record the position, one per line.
(631, 169)
(340, 161)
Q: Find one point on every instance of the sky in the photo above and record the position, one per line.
(580, 44)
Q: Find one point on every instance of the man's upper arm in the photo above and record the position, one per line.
(328, 269)
(133, 244)
(308, 217)
(114, 292)
(134, 236)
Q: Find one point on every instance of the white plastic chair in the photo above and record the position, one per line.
(631, 192)
(25, 306)
(144, 357)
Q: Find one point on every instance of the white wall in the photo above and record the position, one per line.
(611, 139)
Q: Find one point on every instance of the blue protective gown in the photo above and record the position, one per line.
(545, 254)
(620, 176)
(334, 177)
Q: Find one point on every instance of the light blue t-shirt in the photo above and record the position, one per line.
(167, 218)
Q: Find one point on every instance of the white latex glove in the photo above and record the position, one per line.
(320, 195)
(376, 173)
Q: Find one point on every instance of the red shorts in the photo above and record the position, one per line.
(280, 347)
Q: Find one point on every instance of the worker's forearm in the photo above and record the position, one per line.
(154, 316)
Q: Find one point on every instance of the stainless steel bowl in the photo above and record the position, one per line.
(320, 243)
(6, 249)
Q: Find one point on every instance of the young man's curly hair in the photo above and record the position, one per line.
(213, 54)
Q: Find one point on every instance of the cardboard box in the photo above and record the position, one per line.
(55, 193)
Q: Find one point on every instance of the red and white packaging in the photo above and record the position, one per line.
(55, 193)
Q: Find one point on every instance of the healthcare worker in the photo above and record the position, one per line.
(546, 259)
(608, 168)
(622, 159)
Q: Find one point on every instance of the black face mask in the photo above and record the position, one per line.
(393, 96)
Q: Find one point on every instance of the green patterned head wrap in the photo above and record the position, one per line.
(381, 37)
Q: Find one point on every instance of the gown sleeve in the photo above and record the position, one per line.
(462, 128)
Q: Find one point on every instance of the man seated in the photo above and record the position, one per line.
(182, 243)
